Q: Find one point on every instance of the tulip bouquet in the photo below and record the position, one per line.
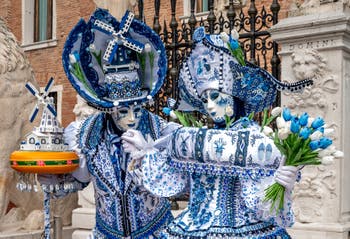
(302, 140)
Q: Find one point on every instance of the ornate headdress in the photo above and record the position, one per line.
(211, 65)
(111, 63)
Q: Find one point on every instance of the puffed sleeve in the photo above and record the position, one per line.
(158, 176)
(71, 134)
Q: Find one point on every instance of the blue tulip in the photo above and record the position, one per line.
(318, 122)
(294, 126)
(234, 44)
(167, 111)
(321, 129)
(325, 142)
(315, 144)
(245, 122)
(76, 55)
(305, 133)
(303, 119)
(286, 114)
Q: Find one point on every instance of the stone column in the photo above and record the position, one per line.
(316, 44)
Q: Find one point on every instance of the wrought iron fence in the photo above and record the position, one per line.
(251, 23)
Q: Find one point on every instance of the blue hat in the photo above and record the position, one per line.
(211, 65)
(111, 63)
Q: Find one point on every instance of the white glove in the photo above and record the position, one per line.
(133, 139)
(287, 176)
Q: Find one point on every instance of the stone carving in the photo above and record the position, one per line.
(299, 7)
(16, 104)
(310, 64)
(318, 185)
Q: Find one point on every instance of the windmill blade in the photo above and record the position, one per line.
(126, 22)
(133, 45)
(48, 87)
(52, 110)
(34, 113)
(32, 89)
(110, 51)
(104, 27)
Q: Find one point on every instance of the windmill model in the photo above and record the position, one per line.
(44, 152)
(119, 39)
(48, 136)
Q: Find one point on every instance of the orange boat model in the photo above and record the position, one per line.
(43, 150)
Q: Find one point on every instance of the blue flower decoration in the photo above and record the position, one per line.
(199, 34)
(303, 119)
(167, 110)
(76, 55)
(286, 114)
(315, 144)
(234, 44)
(294, 126)
(305, 133)
(245, 122)
(318, 122)
(325, 142)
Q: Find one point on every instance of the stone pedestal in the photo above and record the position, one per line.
(317, 46)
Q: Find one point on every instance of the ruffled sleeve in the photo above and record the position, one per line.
(158, 176)
(71, 134)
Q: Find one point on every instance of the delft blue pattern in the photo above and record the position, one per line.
(224, 193)
(121, 204)
(255, 87)
(84, 34)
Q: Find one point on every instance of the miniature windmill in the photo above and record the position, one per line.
(43, 99)
(118, 37)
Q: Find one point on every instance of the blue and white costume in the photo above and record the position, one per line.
(123, 206)
(228, 169)
(116, 67)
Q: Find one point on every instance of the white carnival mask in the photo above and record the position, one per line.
(127, 117)
(217, 105)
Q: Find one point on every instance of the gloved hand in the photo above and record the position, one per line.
(286, 175)
(133, 139)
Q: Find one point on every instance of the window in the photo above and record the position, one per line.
(42, 20)
(202, 6)
(38, 24)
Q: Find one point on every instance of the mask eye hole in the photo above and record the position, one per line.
(214, 95)
(123, 111)
(137, 110)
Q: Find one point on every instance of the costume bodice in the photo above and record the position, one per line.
(123, 206)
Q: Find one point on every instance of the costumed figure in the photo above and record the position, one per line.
(230, 166)
(117, 67)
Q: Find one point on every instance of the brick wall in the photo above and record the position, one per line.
(47, 62)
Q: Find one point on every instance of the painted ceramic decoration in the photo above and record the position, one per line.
(44, 150)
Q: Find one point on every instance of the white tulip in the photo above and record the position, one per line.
(267, 130)
(224, 37)
(309, 121)
(173, 115)
(234, 34)
(328, 132)
(338, 154)
(316, 135)
(327, 160)
(281, 123)
(92, 48)
(324, 152)
(283, 133)
(72, 59)
(229, 111)
(148, 47)
(276, 111)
